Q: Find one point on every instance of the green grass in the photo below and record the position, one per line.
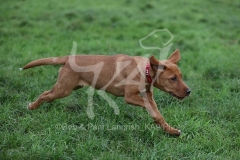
(207, 34)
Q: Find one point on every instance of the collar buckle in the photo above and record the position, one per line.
(149, 78)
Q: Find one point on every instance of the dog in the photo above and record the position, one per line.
(131, 77)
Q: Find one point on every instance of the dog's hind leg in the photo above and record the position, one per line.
(66, 83)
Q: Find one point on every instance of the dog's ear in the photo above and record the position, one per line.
(156, 64)
(175, 56)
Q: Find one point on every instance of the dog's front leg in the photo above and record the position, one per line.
(148, 102)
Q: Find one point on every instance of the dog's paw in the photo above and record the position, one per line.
(29, 106)
(177, 133)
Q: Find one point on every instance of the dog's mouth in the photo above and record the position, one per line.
(176, 96)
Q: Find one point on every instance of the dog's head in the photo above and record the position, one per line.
(168, 77)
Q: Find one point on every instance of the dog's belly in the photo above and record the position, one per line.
(82, 83)
(110, 88)
(116, 91)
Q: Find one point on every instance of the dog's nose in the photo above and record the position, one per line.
(188, 91)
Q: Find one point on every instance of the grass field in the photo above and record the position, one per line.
(208, 36)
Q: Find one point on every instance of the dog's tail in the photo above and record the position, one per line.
(47, 61)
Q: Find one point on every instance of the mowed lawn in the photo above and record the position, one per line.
(208, 36)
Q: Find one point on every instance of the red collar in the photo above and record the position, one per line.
(149, 78)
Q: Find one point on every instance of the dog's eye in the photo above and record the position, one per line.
(174, 78)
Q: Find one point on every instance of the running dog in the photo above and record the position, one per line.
(132, 77)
